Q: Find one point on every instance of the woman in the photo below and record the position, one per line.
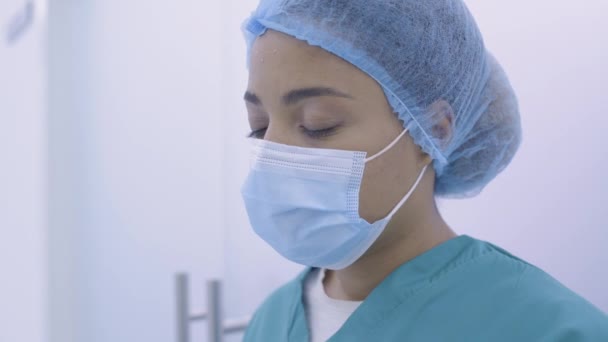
(364, 111)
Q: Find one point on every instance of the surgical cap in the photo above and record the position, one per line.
(419, 52)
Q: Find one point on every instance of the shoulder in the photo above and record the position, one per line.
(280, 300)
(566, 314)
(538, 304)
(278, 310)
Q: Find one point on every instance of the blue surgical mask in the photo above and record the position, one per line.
(304, 202)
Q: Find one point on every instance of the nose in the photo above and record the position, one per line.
(279, 134)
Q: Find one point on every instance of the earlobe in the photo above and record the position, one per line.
(442, 115)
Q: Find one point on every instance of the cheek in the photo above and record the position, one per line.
(385, 182)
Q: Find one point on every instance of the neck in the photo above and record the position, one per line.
(400, 242)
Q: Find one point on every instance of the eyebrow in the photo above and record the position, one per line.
(297, 95)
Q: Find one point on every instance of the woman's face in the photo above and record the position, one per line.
(305, 96)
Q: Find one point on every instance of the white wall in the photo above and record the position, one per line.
(22, 179)
(136, 137)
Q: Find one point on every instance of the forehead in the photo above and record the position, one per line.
(273, 43)
(282, 61)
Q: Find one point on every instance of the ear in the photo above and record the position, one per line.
(443, 117)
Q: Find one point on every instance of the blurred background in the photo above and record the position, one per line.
(122, 152)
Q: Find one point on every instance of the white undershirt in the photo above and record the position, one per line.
(325, 315)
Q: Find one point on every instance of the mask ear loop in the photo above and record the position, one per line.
(409, 193)
(387, 147)
(413, 188)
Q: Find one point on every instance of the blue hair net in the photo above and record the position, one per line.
(418, 51)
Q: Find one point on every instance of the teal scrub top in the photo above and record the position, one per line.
(461, 290)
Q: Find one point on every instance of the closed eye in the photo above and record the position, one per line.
(258, 134)
(319, 133)
(312, 133)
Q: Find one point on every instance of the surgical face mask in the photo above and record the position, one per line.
(304, 202)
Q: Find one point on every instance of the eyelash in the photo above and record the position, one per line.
(318, 133)
(257, 134)
(315, 134)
